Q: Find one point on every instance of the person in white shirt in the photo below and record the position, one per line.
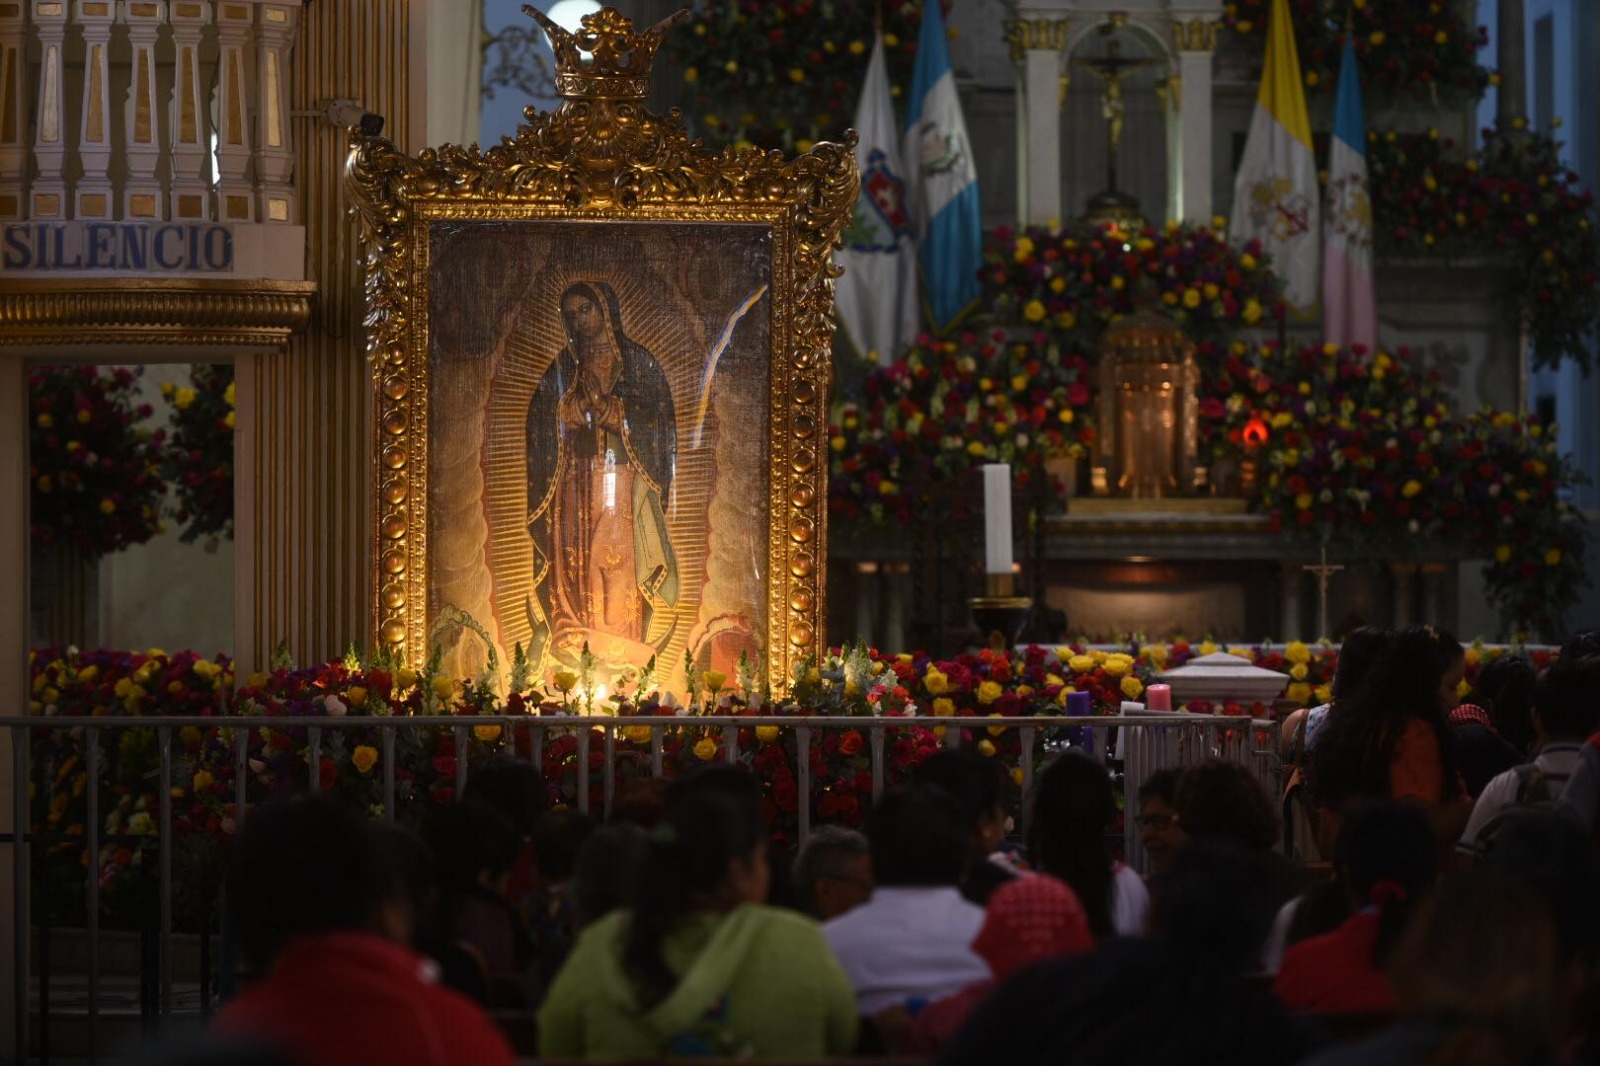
(1565, 713)
(912, 941)
(1074, 804)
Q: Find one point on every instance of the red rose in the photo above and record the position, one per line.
(850, 743)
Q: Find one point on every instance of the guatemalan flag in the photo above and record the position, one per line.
(942, 180)
(1275, 198)
(1349, 309)
(877, 296)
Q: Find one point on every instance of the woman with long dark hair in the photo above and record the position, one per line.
(1073, 807)
(698, 965)
(1392, 740)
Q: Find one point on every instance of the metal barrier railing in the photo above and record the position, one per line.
(1142, 743)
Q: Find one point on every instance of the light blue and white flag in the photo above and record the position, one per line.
(942, 179)
(877, 296)
(1349, 305)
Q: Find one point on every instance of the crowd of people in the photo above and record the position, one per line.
(1423, 890)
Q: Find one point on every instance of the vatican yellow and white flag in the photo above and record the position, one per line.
(1275, 197)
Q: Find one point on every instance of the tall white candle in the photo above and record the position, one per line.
(997, 518)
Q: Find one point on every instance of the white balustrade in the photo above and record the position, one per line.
(141, 193)
(234, 25)
(49, 194)
(92, 194)
(162, 126)
(191, 186)
(275, 33)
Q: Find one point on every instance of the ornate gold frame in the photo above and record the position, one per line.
(601, 157)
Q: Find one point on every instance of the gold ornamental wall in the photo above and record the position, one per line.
(312, 404)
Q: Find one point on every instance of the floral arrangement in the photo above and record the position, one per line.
(199, 460)
(925, 697)
(1512, 198)
(1426, 51)
(95, 470)
(1363, 453)
(1071, 282)
(786, 73)
(948, 405)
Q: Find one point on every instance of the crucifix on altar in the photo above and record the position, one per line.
(1112, 68)
(1323, 571)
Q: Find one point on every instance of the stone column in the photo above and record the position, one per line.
(141, 192)
(48, 195)
(1196, 41)
(13, 111)
(1511, 60)
(92, 197)
(1037, 46)
(1292, 579)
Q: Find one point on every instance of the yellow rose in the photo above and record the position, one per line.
(989, 691)
(486, 733)
(1462, 689)
(364, 758)
(1298, 671)
(1016, 776)
(357, 696)
(1158, 654)
(705, 749)
(1033, 311)
(935, 682)
(1244, 651)
(1324, 693)
(228, 394)
(1132, 687)
(767, 733)
(1552, 557)
(714, 680)
(636, 734)
(1300, 692)
(986, 748)
(1024, 250)
(1502, 554)
(997, 730)
(1191, 298)
(1081, 664)
(565, 680)
(1297, 652)
(183, 398)
(943, 707)
(1207, 648)
(404, 678)
(202, 780)
(1117, 665)
(1411, 488)
(443, 686)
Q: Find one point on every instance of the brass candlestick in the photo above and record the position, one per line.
(1000, 614)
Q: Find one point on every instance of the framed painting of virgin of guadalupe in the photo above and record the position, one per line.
(601, 355)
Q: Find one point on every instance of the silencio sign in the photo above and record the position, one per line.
(150, 247)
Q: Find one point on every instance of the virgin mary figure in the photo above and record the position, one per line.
(601, 451)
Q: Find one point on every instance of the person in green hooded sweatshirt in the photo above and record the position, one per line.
(699, 966)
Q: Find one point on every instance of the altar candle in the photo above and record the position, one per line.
(1079, 705)
(997, 518)
(1158, 697)
(611, 480)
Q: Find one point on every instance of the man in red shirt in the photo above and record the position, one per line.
(316, 913)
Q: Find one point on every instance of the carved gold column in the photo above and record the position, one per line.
(1037, 47)
(1195, 40)
(303, 549)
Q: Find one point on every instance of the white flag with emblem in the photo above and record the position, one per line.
(1275, 196)
(877, 296)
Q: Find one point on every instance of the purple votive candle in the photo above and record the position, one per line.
(1079, 705)
(1158, 698)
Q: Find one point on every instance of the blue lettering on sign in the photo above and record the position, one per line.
(168, 247)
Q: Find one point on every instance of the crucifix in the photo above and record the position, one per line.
(1323, 572)
(1112, 68)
